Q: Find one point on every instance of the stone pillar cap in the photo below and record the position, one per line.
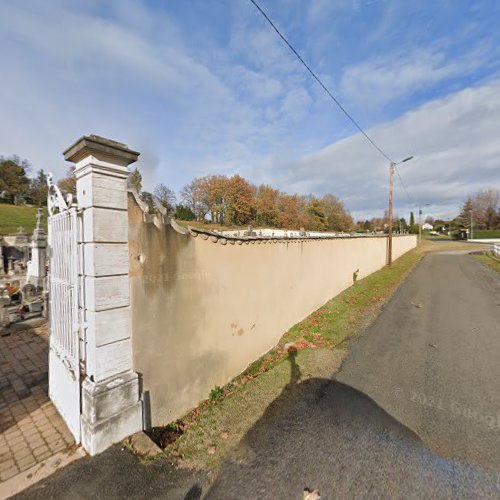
(101, 148)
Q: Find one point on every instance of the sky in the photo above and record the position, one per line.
(204, 87)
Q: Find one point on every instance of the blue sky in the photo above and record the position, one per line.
(205, 86)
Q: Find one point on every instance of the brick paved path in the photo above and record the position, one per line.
(31, 430)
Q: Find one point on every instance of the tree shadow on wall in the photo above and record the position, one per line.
(320, 433)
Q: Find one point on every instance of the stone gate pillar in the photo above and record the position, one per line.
(111, 404)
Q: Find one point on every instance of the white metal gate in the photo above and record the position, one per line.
(64, 348)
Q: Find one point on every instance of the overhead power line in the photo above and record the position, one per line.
(325, 88)
(403, 184)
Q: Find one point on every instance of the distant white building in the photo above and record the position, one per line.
(427, 226)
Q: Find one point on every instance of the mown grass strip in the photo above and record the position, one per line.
(489, 260)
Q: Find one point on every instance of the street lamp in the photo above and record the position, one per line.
(393, 164)
(420, 222)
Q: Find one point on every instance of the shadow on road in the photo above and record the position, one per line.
(320, 433)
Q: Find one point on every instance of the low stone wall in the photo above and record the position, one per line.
(205, 306)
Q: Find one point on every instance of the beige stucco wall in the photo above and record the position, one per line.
(203, 311)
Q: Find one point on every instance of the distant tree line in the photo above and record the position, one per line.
(219, 199)
(233, 201)
(381, 224)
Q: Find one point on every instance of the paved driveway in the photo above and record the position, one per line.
(31, 430)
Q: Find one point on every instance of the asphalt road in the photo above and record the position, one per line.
(432, 358)
(413, 413)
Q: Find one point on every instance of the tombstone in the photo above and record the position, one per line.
(45, 299)
(10, 266)
(18, 267)
(4, 312)
(28, 291)
(37, 265)
(2, 269)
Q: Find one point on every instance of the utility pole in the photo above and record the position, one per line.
(420, 222)
(419, 225)
(391, 174)
(471, 225)
(389, 250)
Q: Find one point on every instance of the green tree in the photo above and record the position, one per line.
(13, 177)
(316, 212)
(183, 212)
(147, 198)
(135, 180)
(413, 228)
(38, 188)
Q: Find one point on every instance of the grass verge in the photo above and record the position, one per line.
(205, 436)
(12, 217)
(489, 260)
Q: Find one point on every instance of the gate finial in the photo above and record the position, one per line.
(55, 199)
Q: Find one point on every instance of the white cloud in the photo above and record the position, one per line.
(456, 151)
(72, 71)
(378, 81)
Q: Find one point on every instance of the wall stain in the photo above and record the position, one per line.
(236, 330)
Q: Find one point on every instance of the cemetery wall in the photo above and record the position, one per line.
(205, 306)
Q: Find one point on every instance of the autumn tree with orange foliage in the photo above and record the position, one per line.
(240, 201)
(234, 201)
(267, 205)
(337, 217)
(291, 211)
(67, 184)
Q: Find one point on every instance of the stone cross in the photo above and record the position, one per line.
(36, 273)
(39, 216)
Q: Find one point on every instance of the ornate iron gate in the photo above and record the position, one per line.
(63, 276)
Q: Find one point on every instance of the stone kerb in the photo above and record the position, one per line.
(111, 406)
